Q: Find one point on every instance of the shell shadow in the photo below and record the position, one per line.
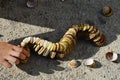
(98, 64)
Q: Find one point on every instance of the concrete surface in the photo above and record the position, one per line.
(50, 20)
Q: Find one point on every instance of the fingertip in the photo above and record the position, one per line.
(27, 53)
(18, 45)
(7, 64)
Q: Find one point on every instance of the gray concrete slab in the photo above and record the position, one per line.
(50, 20)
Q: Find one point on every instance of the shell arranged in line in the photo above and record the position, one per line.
(111, 56)
(67, 42)
(73, 64)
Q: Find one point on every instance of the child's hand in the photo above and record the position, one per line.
(11, 53)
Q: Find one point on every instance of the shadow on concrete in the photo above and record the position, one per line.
(60, 16)
(37, 64)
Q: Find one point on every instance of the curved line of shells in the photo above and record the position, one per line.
(66, 43)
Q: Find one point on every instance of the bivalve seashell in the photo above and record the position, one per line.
(112, 56)
(107, 11)
(90, 62)
(31, 3)
(73, 64)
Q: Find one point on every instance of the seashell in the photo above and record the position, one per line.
(31, 3)
(52, 55)
(24, 61)
(26, 40)
(41, 50)
(61, 55)
(22, 44)
(73, 64)
(107, 11)
(37, 48)
(111, 56)
(90, 62)
(48, 49)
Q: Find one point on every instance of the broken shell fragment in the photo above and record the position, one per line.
(90, 62)
(31, 3)
(111, 56)
(73, 64)
(107, 11)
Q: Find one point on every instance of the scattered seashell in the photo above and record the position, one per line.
(111, 56)
(107, 11)
(90, 62)
(31, 3)
(73, 64)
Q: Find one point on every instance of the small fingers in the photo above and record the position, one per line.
(17, 54)
(17, 48)
(26, 53)
(21, 50)
(13, 59)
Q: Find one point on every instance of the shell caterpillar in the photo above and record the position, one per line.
(67, 42)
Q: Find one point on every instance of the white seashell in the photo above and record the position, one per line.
(31, 3)
(48, 49)
(36, 39)
(90, 62)
(26, 40)
(73, 64)
(111, 56)
(23, 44)
(45, 43)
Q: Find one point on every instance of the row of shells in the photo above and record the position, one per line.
(67, 42)
(110, 56)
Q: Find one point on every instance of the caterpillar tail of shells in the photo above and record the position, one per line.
(61, 48)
